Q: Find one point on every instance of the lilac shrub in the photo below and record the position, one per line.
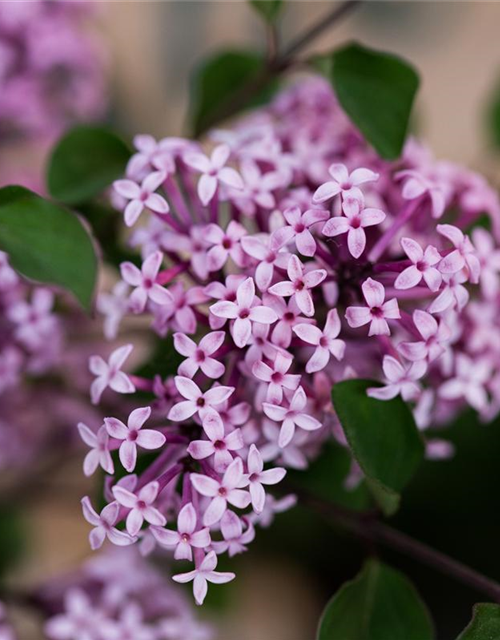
(286, 259)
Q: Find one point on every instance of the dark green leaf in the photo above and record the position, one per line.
(84, 162)
(12, 537)
(379, 604)
(493, 117)
(376, 90)
(219, 81)
(47, 243)
(382, 435)
(485, 623)
(268, 9)
(163, 361)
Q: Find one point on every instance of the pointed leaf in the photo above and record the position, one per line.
(485, 623)
(268, 9)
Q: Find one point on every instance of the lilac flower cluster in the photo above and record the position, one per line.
(287, 259)
(48, 82)
(119, 596)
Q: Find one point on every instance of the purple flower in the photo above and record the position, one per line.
(423, 266)
(132, 436)
(343, 182)
(109, 373)
(213, 172)
(276, 377)
(198, 357)
(291, 417)
(218, 445)
(257, 477)
(145, 282)
(142, 196)
(225, 244)
(141, 507)
(203, 574)
(186, 535)
(326, 341)
(235, 538)
(299, 285)
(401, 380)
(376, 313)
(299, 228)
(196, 401)
(104, 525)
(99, 454)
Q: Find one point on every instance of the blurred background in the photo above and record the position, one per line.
(293, 568)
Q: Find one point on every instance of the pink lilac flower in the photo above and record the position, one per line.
(291, 417)
(464, 254)
(140, 506)
(298, 228)
(471, 378)
(204, 404)
(186, 536)
(488, 255)
(401, 380)
(203, 574)
(435, 336)
(104, 525)
(109, 374)
(34, 320)
(99, 454)
(219, 444)
(376, 313)
(417, 185)
(145, 282)
(199, 357)
(424, 266)
(343, 182)
(299, 285)
(130, 624)
(132, 436)
(80, 621)
(225, 244)
(214, 172)
(142, 196)
(257, 477)
(235, 538)
(244, 312)
(269, 254)
(258, 188)
(326, 341)
(276, 376)
(356, 219)
(179, 312)
(222, 492)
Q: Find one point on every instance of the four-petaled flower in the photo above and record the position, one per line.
(141, 506)
(433, 334)
(326, 341)
(104, 525)
(99, 454)
(376, 313)
(133, 436)
(343, 182)
(276, 376)
(219, 444)
(109, 373)
(203, 574)
(145, 283)
(186, 535)
(142, 196)
(196, 401)
(258, 477)
(469, 382)
(423, 266)
(464, 254)
(235, 538)
(298, 228)
(225, 244)
(244, 312)
(213, 172)
(222, 492)
(291, 417)
(199, 356)
(401, 380)
(299, 285)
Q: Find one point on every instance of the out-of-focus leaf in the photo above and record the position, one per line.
(268, 9)
(219, 80)
(84, 162)
(12, 537)
(379, 604)
(164, 360)
(376, 90)
(485, 623)
(383, 438)
(47, 243)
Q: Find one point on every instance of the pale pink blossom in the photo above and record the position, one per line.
(258, 188)
(145, 283)
(343, 182)
(435, 335)
(132, 436)
(235, 538)
(141, 506)
(142, 196)
(99, 454)
(291, 417)
(289, 315)
(299, 226)
(214, 172)
(423, 266)
(203, 574)
(104, 525)
(179, 312)
(276, 376)
(219, 443)
(416, 185)
(186, 535)
(464, 254)
(224, 491)
(489, 259)
(326, 341)
(224, 245)
(376, 313)
(469, 382)
(267, 250)
(109, 374)
(257, 477)
(196, 401)
(453, 294)
(354, 222)
(401, 380)
(299, 285)
(199, 356)
(244, 312)
(81, 619)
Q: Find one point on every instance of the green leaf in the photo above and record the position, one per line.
(382, 435)
(493, 117)
(268, 9)
(485, 623)
(379, 604)
(12, 537)
(218, 81)
(47, 243)
(84, 162)
(376, 90)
